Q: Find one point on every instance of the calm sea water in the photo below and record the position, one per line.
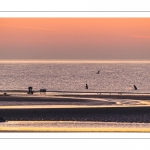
(73, 76)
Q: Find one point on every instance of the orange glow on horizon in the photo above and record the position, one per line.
(74, 38)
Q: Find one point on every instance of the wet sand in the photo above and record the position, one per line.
(49, 100)
(72, 126)
(97, 119)
(114, 96)
(101, 114)
(71, 99)
(56, 108)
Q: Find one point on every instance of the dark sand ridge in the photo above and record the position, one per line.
(101, 114)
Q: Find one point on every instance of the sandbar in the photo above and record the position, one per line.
(84, 108)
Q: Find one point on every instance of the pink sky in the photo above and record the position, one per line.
(75, 38)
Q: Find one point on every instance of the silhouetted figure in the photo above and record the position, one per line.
(30, 90)
(86, 86)
(97, 72)
(135, 88)
(42, 91)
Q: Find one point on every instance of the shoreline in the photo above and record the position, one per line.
(48, 129)
(72, 126)
(136, 96)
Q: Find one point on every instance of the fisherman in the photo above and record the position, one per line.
(30, 90)
(135, 88)
(43, 91)
(86, 86)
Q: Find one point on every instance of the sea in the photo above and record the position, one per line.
(73, 76)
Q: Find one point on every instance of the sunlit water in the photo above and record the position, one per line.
(74, 76)
(113, 77)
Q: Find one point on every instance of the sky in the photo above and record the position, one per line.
(75, 38)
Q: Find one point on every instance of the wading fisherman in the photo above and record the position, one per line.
(86, 86)
(135, 88)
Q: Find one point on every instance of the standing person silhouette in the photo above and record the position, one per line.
(86, 86)
(135, 88)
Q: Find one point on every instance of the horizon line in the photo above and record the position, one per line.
(71, 60)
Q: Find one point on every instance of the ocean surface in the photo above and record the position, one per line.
(73, 76)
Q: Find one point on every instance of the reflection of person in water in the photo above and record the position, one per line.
(86, 86)
(135, 88)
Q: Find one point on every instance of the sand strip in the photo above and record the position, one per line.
(48, 129)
